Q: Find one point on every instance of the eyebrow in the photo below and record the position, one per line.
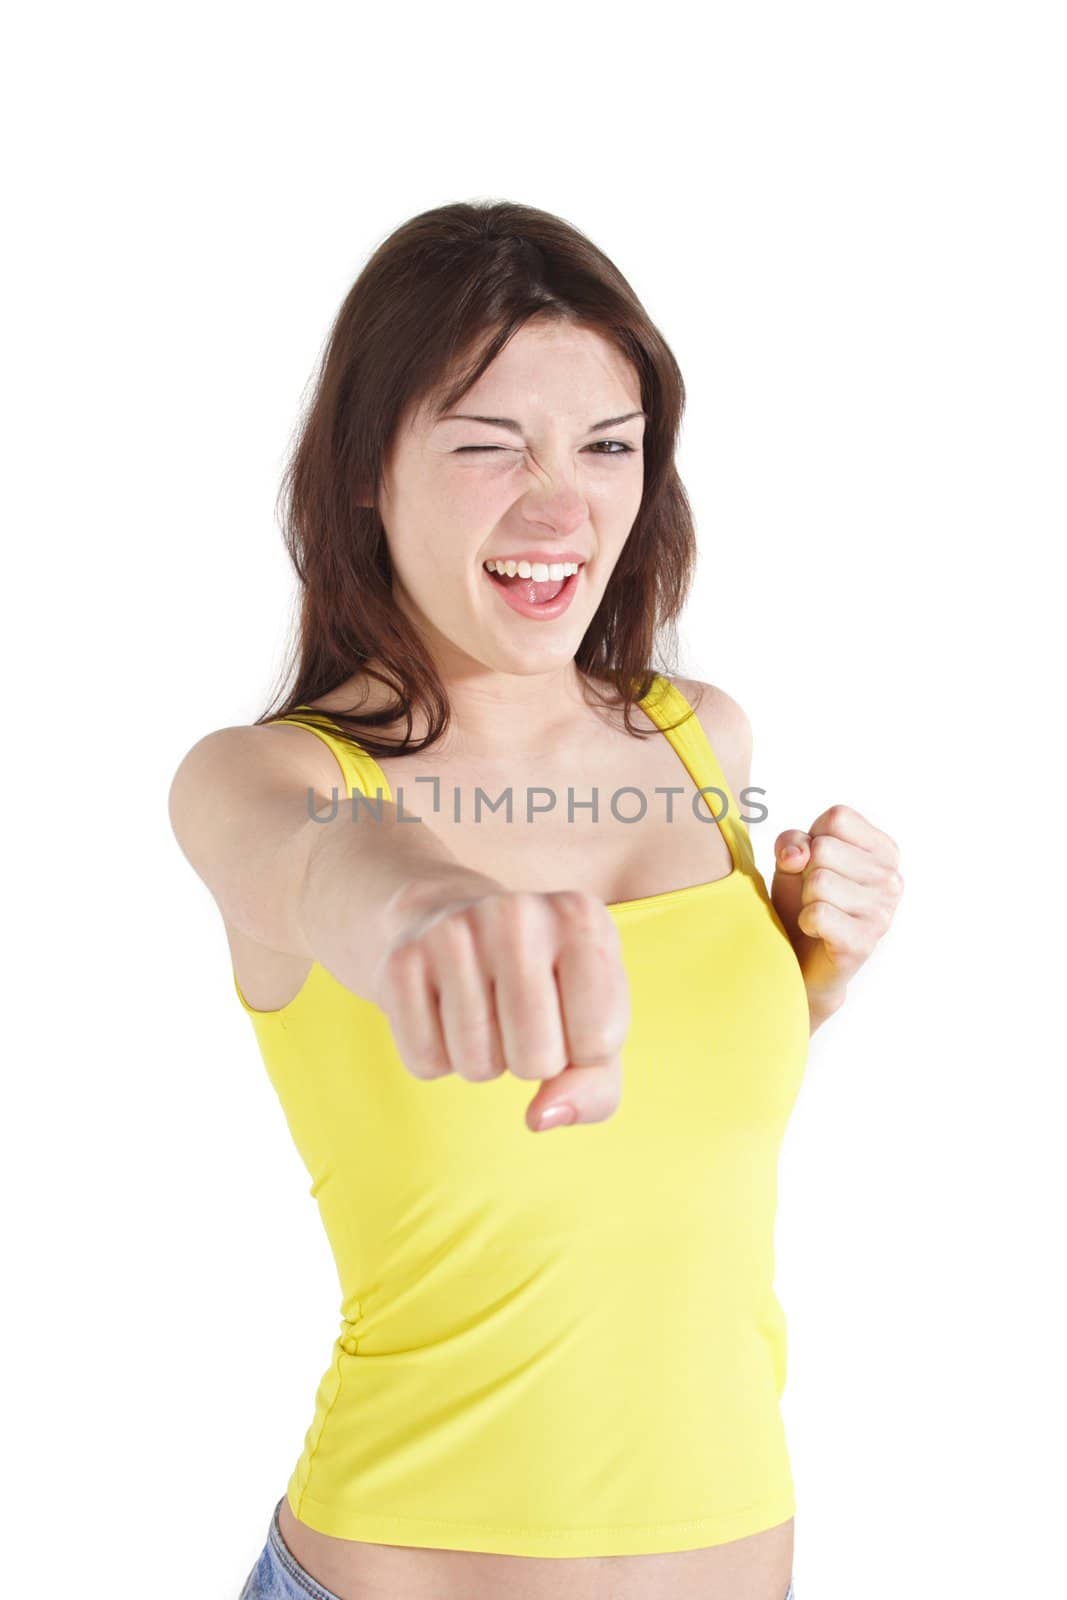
(514, 427)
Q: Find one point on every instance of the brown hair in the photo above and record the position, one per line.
(434, 305)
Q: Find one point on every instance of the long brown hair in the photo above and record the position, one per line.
(434, 305)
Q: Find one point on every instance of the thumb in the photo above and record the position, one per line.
(791, 850)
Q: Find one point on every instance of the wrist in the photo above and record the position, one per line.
(419, 897)
(822, 1003)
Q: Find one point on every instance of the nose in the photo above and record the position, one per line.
(559, 507)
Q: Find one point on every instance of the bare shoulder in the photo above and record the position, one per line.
(723, 719)
(726, 725)
(232, 766)
(238, 806)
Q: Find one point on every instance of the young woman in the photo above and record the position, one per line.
(484, 873)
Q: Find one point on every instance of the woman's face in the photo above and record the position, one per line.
(555, 487)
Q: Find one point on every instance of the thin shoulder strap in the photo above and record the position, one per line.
(665, 703)
(360, 771)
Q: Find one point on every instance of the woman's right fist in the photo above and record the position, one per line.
(501, 980)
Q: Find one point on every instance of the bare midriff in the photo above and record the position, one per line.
(757, 1567)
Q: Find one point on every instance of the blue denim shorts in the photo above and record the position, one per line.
(278, 1575)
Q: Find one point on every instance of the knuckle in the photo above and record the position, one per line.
(425, 1064)
(401, 964)
(602, 1041)
(454, 931)
(524, 904)
(402, 956)
(538, 1064)
(512, 914)
(477, 1071)
(577, 905)
(470, 1043)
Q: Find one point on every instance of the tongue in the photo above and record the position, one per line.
(535, 593)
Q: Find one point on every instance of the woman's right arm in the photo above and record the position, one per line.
(322, 886)
(474, 978)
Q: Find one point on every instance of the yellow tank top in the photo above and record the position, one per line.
(568, 1343)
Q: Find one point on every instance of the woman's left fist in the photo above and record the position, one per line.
(836, 889)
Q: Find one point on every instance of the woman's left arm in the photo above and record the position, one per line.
(836, 889)
(837, 894)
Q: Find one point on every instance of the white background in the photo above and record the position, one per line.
(848, 222)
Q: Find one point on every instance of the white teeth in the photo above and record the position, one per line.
(539, 571)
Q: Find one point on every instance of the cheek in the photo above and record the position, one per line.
(475, 500)
(444, 532)
(615, 499)
(427, 571)
(421, 537)
(434, 561)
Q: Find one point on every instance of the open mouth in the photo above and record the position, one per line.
(532, 596)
